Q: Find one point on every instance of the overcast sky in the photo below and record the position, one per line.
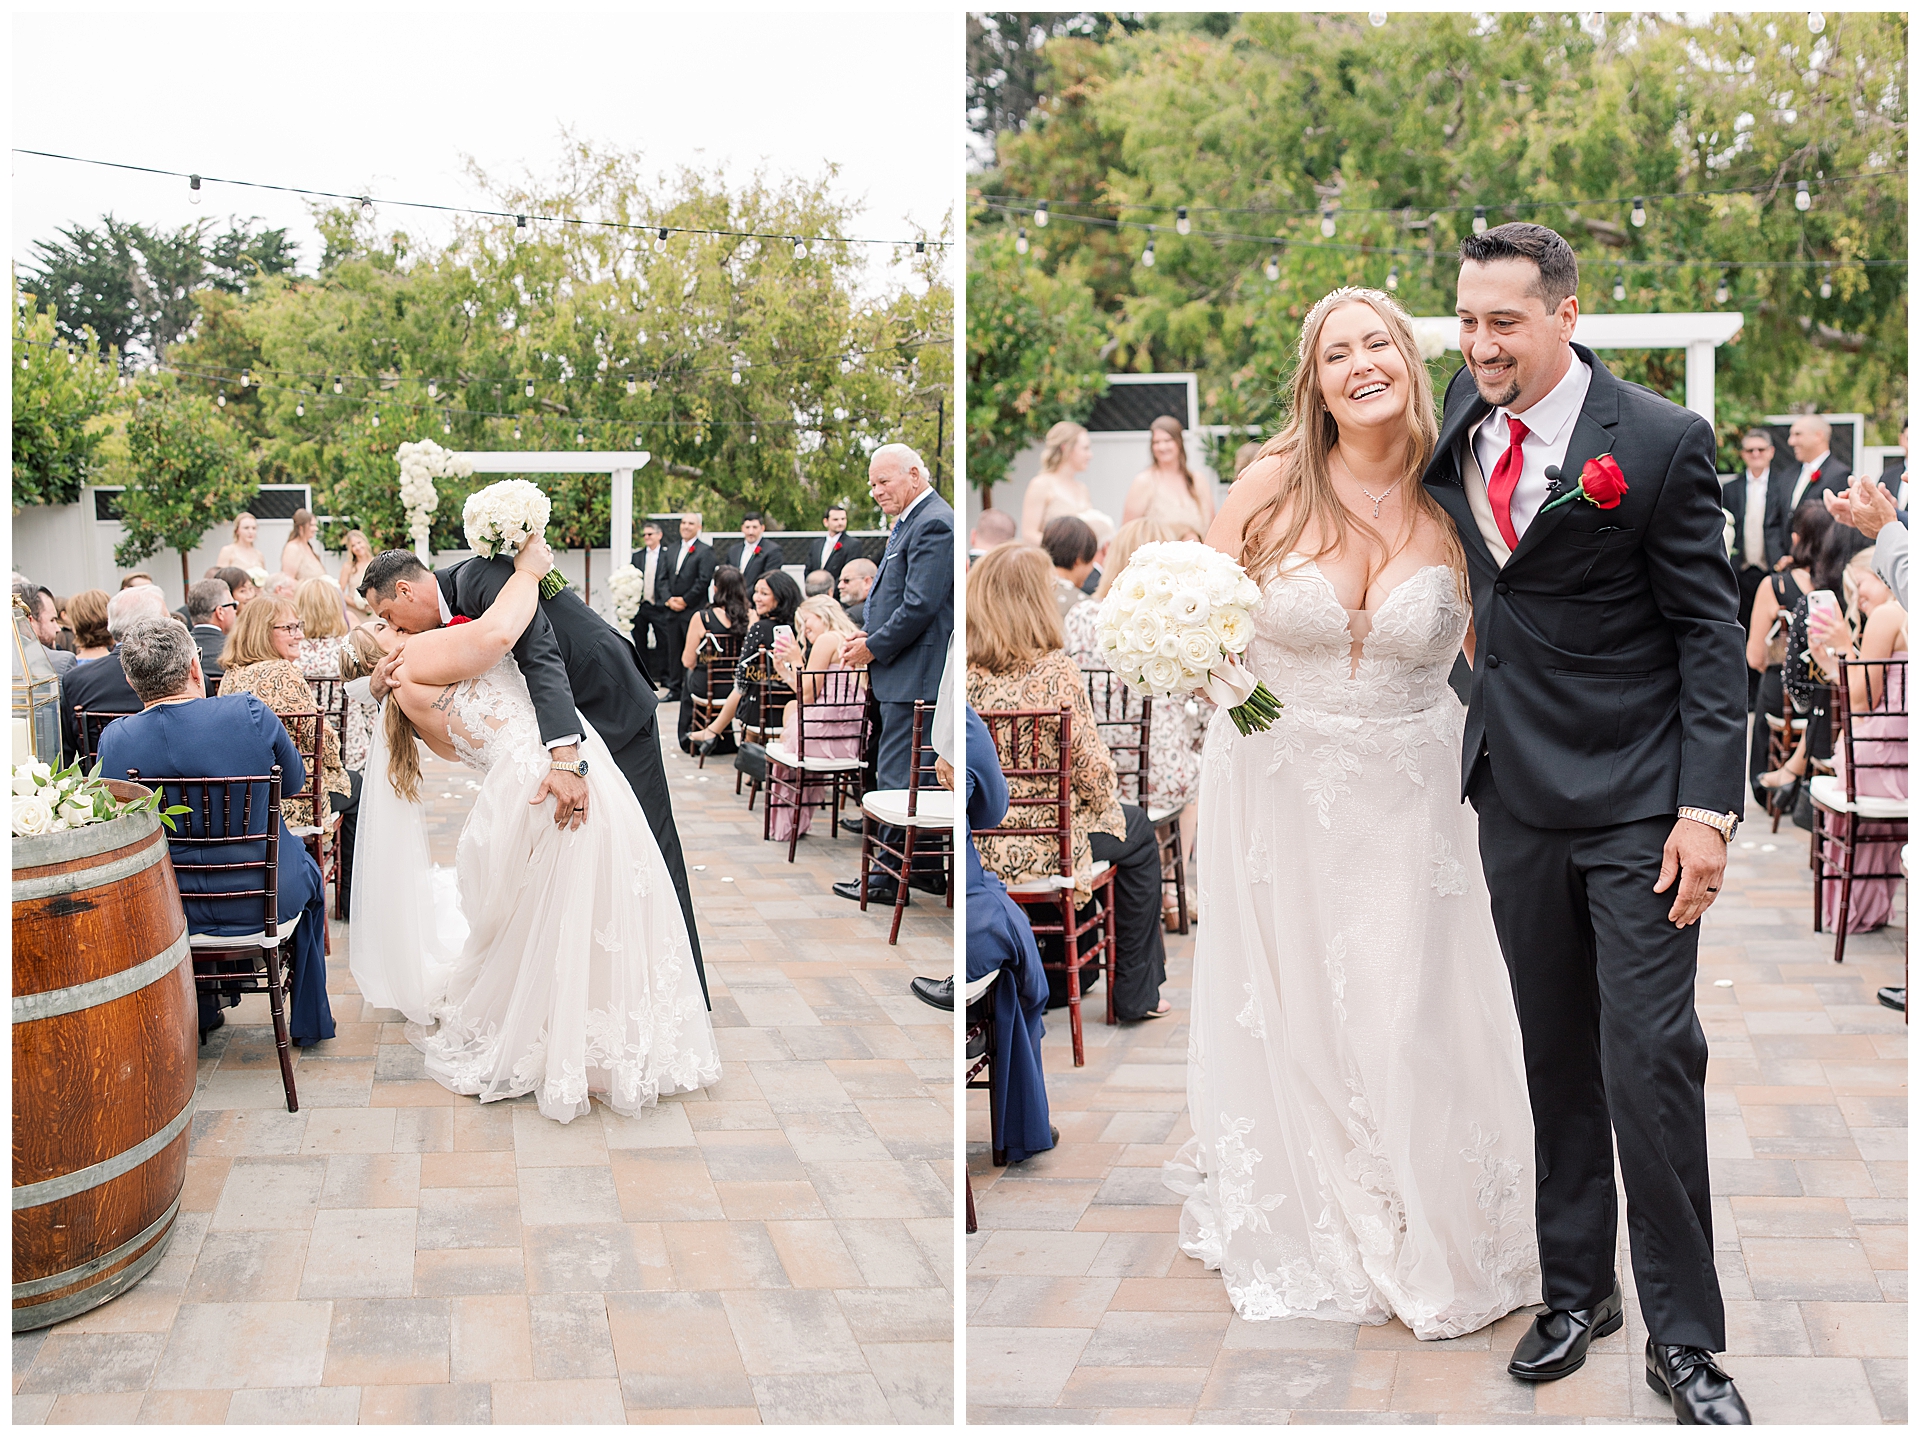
(391, 103)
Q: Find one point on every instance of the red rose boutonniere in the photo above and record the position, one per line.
(1601, 485)
(458, 619)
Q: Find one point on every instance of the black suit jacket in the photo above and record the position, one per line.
(834, 559)
(1609, 679)
(692, 579)
(571, 657)
(1776, 538)
(1830, 478)
(100, 687)
(211, 642)
(767, 557)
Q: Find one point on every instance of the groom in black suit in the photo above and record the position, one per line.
(1603, 753)
(572, 659)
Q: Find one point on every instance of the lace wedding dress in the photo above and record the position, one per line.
(1363, 1143)
(557, 963)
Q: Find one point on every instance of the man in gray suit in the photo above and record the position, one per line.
(909, 618)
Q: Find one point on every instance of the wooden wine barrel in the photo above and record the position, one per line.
(105, 1047)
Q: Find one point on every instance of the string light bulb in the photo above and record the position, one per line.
(1826, 286)
(529, 389)
(1639, 215)
(1620, 285)
(246, 378)
(1020, 244)
(1594, 22)
(633, 386)
(579, 437)
(920, 246)
(1376, 18)
(300, 409)
(1273, 267)
(193, 189)
(1816, 22)
(1479, 219)
(1720, 291)
(660, 241)
(519, 227)
(1393, 277)
(376, 419)
(446, 425)
(433, 389)
(1040, 215)
(1181, 224)
(337, 388)
(1147, 258)
(221, 399)
(1802, 197)
(516, 431)
(799, 249)
(1326, 221)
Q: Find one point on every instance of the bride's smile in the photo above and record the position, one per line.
(1362, 373)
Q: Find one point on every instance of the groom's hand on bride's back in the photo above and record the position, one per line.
(1698, 855)
(385, 674)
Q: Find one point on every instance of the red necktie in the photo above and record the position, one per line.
(1506, 474)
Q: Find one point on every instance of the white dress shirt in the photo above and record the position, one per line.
(1753, 541)
(1549, 428)
(1807, 471)
(648, 567)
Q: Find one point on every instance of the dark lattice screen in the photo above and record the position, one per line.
(1133, 407)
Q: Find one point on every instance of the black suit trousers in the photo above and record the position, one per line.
(1604, 988)
(639, 760)
(678, 622)
(659, 662)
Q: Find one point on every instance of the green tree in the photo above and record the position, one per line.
(1280, 122)
(192, 471)
(61, 387)
(1034, 354)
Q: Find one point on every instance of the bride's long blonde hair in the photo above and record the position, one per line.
(1305, 494)
(359, 656)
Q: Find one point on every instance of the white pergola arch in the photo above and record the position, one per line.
(618, 464)
(1698, 333)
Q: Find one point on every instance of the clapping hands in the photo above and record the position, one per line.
(1866, 506)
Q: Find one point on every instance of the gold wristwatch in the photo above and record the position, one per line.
(1721, 823)
(578, 767)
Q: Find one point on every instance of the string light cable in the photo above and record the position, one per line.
(919, 243)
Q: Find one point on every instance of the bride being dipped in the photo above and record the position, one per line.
(562, 966)
(1363, 1145)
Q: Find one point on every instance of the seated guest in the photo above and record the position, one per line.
(808, 664)
(86, 614)
(43, 616)
(240, 583)
(180, 733)
(775, 597)
(212, 613)
(819, 582)
(262, 658)
(282, 586)
(727, 614)
(1015, 660)
(856, 581)
(323, 627)
(100, 687)
(135, 579)
(999, 937)
(993, 528)
(1071, 545)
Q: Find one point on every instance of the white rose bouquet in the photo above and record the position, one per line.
(1174, 622)
(49, 800)
(627, 585)
(503, 516)
(420, 464)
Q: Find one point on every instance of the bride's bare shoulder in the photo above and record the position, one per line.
(1257, 484)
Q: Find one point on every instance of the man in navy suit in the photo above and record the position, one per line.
(832, 552)
(909, 618)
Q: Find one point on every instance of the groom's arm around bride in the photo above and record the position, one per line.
(1603, 751)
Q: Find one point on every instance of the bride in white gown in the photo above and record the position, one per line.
(557, 962)
(1363, 1143)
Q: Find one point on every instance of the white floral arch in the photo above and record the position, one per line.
(618, 464)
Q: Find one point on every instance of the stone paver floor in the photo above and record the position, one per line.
(779, 1248)
(1082, 1308)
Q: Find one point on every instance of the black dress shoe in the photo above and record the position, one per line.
(934, 883)
(219, 1022)
(1702, 1395)
(1894, 998)
(935, 992)
(1556, 1345)
(850, 823)
(879, 890)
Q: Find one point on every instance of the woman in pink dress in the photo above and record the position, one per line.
(834, 696)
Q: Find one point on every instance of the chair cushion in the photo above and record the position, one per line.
(889, 805)
(980, 985)
(1158, 816)
(246, 940)
(1829, 793)
(1040, 887)
(780, 753)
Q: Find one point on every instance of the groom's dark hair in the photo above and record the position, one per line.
(1552, 256)
(388, 568)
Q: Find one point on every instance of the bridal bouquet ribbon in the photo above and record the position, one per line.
(502, 517)
(628, 585)
(1177, 620)
(1601, 484)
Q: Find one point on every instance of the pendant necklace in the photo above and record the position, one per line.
(1377, 499)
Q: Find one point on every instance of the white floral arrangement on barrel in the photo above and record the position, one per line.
(502, 517)
(628, 586)
(48, 800)
(1175, 622)
(421, 463)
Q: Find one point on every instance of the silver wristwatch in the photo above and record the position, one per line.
(1721, 823)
